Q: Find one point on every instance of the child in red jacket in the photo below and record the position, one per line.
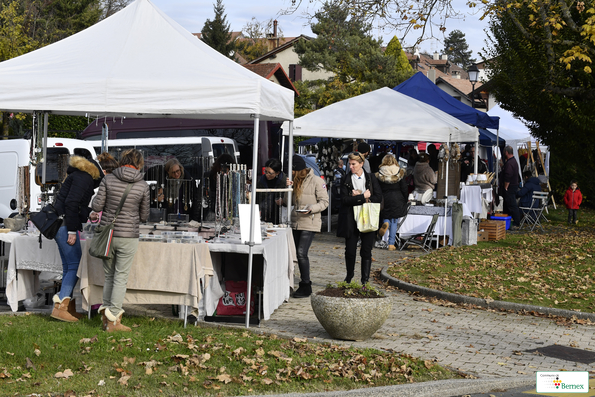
(573, 199)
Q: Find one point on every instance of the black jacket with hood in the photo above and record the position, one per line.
(75, 194)
(394, 190)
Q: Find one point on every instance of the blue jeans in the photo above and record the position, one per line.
(71, 256)
(392, 229)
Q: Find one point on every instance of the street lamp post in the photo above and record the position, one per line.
(473, 72)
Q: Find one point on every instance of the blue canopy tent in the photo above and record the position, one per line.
(422, 89)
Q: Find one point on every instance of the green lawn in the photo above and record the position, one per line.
(547, 269)
(160, 357)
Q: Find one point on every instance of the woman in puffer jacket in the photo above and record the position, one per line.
(125, 241)
(309, 198)
(73, 202)
(394, 191)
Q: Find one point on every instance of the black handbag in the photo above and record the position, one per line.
(48, 221)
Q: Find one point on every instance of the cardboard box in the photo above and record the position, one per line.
(482, 235)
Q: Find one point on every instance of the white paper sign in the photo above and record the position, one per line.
(244, 210)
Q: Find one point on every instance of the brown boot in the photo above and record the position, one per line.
(104, 319)
(60, 311)
(392, 248)
(115, 323)
(72, 309)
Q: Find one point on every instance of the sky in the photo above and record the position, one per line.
(192, 14)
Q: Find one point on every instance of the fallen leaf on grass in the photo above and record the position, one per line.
(267, 381)
(124, 380)
(89, 340)
(37, 352)
(225, 378)
(30, 363)
(66, 374)
(10, 354)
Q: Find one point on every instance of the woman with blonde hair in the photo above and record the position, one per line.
(309, 198)
(391, 178)
(126, 179)
(357, 187)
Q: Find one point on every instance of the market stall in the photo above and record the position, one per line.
(186, 79)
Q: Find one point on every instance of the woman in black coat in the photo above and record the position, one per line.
(357, 187)
(73, 202)
(273, 178)
(391, 178)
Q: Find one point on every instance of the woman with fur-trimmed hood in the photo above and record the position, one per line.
(394, 191)
(73, 203)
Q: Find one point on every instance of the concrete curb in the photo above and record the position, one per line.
(502, 305)
(443, 388)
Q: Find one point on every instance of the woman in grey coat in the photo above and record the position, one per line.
(125, 241)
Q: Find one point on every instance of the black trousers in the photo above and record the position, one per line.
(303, 240)
(572, 215)
(510, 205)
(368, 240)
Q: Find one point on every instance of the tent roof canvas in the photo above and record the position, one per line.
(141, 63)
(511, 128)
(384, 114)
(421, 88)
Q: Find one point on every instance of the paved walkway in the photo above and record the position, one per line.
(483, 343)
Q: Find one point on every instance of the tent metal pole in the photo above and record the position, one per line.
(496, 168)
(445, 197)
(45, 147)
(475, 167)
(252, 217)
(328, 210)
(289, 173)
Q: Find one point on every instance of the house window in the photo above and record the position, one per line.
(295, 72)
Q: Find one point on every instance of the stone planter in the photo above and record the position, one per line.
(351, 318)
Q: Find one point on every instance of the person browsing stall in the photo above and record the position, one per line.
(357, 187)
(391, 178)
(309, 199)
(126, 230)
(73, 202)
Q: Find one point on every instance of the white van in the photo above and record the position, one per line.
(20, 181)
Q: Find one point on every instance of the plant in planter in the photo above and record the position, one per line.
(351, 311)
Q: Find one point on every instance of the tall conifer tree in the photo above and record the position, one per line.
(216, 33)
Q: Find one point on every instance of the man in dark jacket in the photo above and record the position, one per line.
(509, 184)
(530, 185)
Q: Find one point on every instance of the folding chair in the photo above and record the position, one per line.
(533, 216)
(398, 239)
(423, 240)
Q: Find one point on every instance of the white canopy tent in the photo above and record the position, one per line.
(141, 63)
(384, 114)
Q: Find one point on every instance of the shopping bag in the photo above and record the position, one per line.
(367, 217)
(233, 303)
(101, 243)
(47, 221)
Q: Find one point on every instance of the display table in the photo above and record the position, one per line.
(419, 218)
(25, 261)
(278, 254)
(473, 196)
(160, 274)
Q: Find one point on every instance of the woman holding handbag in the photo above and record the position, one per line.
(73, 202)
(125, 193)
(357, 187)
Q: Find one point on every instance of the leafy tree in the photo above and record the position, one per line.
(254, 42)
(455, 46)
(110, 7)
(216, 33)
(394, 49)
(555, 99)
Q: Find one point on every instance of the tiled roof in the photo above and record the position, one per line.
(267, 70)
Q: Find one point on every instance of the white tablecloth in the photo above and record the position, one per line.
(279, 256)
(472, 196)
(416, 224)
(25, 261)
